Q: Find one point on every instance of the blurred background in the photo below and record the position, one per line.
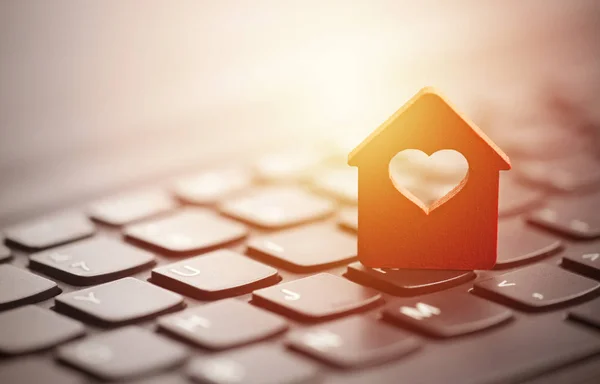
(98, 95)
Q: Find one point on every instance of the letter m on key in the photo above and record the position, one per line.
(420, 311)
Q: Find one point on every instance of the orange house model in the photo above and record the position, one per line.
(459, 231)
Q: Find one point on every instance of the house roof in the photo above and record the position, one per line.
(502, 157)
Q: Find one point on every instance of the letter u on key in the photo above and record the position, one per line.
(191, 271)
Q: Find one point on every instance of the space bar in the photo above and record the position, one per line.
(519, 351)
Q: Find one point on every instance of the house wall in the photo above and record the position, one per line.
(460, 234)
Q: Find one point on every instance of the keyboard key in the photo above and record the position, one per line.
(19, 287)
(32, 328)
(588, 313)
(116, 354)
(586, 263)
(91, 261)
(574, 216)
(446, 314)
(406, 282)
(537, 286)
(341, 183)
(520, 243)
(188, 231)
(318, 297)
(211, 186)
(521, 350)
(516, 198)
(119, 301)
(223, 324)
(287, 166)
(37, 370)
(277, 207)
(348, 219)
(570, 174)
(264, 364)
(50, 230)
(353, 342)
(129, 207)
(305, 249)
(215, 275)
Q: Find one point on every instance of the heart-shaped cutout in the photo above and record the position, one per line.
(428, 181)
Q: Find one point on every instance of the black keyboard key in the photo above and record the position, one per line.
(446, 314)
(318, 297)
(575, 216)
(588, 313)
(520, 243)
(119, 301)
(406, 282)
(223, 324)
(37, 370)
(512, 354)
(50, 230)
(536, 286)
(586, 263)
(305, 249)
(277, 207)
(340, 183)
(215, 275)
(188, 231)
(91, 261)
(129, 207)
(124, 353)
(32, 328)
(211, 186)
(353, 342)
(264, 364)
(515, 198)
(348, 219)
(18, 287)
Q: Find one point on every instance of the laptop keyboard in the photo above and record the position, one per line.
(230, 275)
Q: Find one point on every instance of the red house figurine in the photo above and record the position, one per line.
(458, 231)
